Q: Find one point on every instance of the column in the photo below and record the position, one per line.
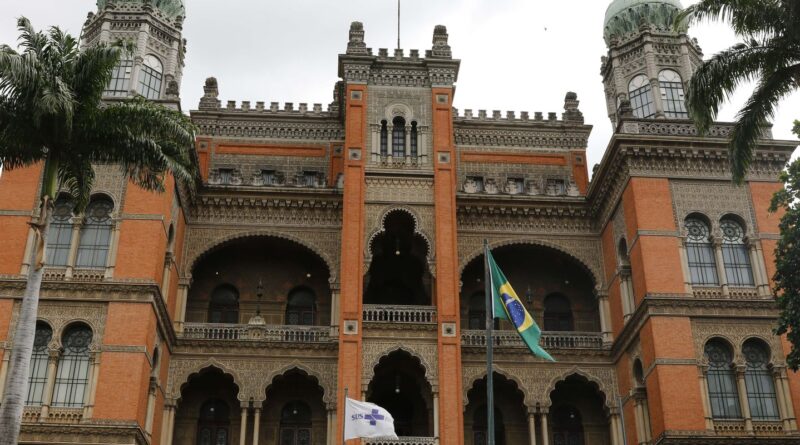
(781, 400)
(243, 425)
(613, 421)
(532, 426)
(375, 129)
(687, 275)
(605, 317)
(180, 305)
(625, 293)
(168, 424)
(637, 411)
(436, 416)
(408, 142)
(91, 390)
(331, 430)
(72, 256)
(390, 144)
(334, 312)
(543, 421)
(748, 420)
(704, 396)
(759, 263)
(256, 422)
(50, 382)
(151, 405)
(166, 275)
(26, 262)
(111, 259)
(723, 279)
(787, 396)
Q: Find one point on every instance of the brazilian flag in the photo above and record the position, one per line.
(507, 306)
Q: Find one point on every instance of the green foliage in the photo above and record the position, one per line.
(787, 256)
(768, 55)
(51, 110)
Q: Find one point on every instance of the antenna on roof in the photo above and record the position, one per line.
(398, 24)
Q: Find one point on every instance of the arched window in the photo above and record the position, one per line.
(641, 96)
(722, 392)
(735, 255)
(480, 429)
(557, 313)
(120, 83)
(224, 306)
(567, 425)
(414, 141)
(301, 307)
(398, 137)
(295, 424)
(95, 234)
(214, 423)
(384, 139)
(672, 94)
(72, 375)
(38, 371)
(59, 235)
(150, 77)
(758, 381)
(700, 253)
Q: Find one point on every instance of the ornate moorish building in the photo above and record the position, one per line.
(338, 248)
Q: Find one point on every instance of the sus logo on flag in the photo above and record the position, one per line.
(367, 420)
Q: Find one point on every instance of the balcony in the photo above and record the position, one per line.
(254, 332)
(402, 441)
(550, 340)
(399, 314)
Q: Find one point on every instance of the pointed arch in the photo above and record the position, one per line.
(526, 395)
(604, 388)
(328, 392)
(180, 379)
(430, 371)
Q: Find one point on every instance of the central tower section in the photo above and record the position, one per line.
(399, 259)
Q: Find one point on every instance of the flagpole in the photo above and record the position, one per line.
(489, 291)
(344, 414)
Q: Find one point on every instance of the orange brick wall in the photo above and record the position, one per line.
(761, 193)
(19, 189)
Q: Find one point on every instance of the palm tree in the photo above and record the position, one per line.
(51, 112)
(768, 54)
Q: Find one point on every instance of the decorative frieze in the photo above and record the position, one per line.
(714, 199)
(326, 130)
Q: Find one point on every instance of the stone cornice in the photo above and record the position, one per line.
(90, 431)
(266, 124)
(296, 206)
(496, 131)
(398, 70)
(700, 437)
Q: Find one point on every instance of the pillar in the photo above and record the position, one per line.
(26, 264)
(91, 390)
(617, 435)
(605, 317)
(180, 305)
(625, 293)
(256, 423)
(436, 416)
(331, 430)
(723, 279)
(72, 256)
(243, 425)
(638, 416)
(543, 421)
(781, 400)
(704, 396)
(50, 382)
(759, 263)
(165, 277)
(151, 405)
(748, 420)
(687, 275)
(408, 141)
(111, 257)
(787, 396)
(532, 426)
(168, 424)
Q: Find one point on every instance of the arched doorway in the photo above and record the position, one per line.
(510, 414)
(578, 415)
(296, 424)
(294, 412)
(208, 410)
(214, 424)
(556, 289)
(400, 386)
(284, 281)
(398, 273)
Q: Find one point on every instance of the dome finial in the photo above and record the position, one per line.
(628, 16)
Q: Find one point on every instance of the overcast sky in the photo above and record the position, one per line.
(520, 55)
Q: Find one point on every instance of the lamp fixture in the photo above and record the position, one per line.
(529, 295)
(397, 384)
(397, 246)
(259, 294)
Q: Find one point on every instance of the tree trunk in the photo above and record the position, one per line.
(22, 344)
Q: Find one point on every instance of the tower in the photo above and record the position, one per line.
(155, 68)
(650, 59)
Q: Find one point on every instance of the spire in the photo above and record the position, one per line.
(356, 45)
(440, 46)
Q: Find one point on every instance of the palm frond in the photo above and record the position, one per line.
(93, 69)
(757, 114)
(76, 175)
(747, 17)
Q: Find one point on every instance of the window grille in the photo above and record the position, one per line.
(150, 77)
(384, 139)
(735, 254)
(700, 253)
(722, 392)
(641, 96)
(300, 308)
(399, 137)
(120, 83)
(761, 395)
(38, 370)
(72, 375)
(95, 236)
(672, 94)
(414, 141)
(59, 235)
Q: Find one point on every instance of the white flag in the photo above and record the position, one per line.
(367, 420)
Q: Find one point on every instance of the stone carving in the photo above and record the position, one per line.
(619, 227)
(321, 128)
(490, 187)
(470, 185)
(533, 188)
(400, 190)
(714, 200)
(59, 315)
(736, 334)
(425, 352)
(423, 227)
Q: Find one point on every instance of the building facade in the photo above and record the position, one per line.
(339, 250)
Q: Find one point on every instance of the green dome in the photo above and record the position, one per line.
(170, 8)
(625, 16)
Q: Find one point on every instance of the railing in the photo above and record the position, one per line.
(276, 333)
(403, 441)
(550, 340)
(32, 414)
(729, 427)
(400, 161)
(734, 293)
(378, 313)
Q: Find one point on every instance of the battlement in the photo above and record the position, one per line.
(571, 115)
(210, 102)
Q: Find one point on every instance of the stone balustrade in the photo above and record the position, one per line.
(402, 441)
(378, 313)
(550, 340)
(274, 333)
